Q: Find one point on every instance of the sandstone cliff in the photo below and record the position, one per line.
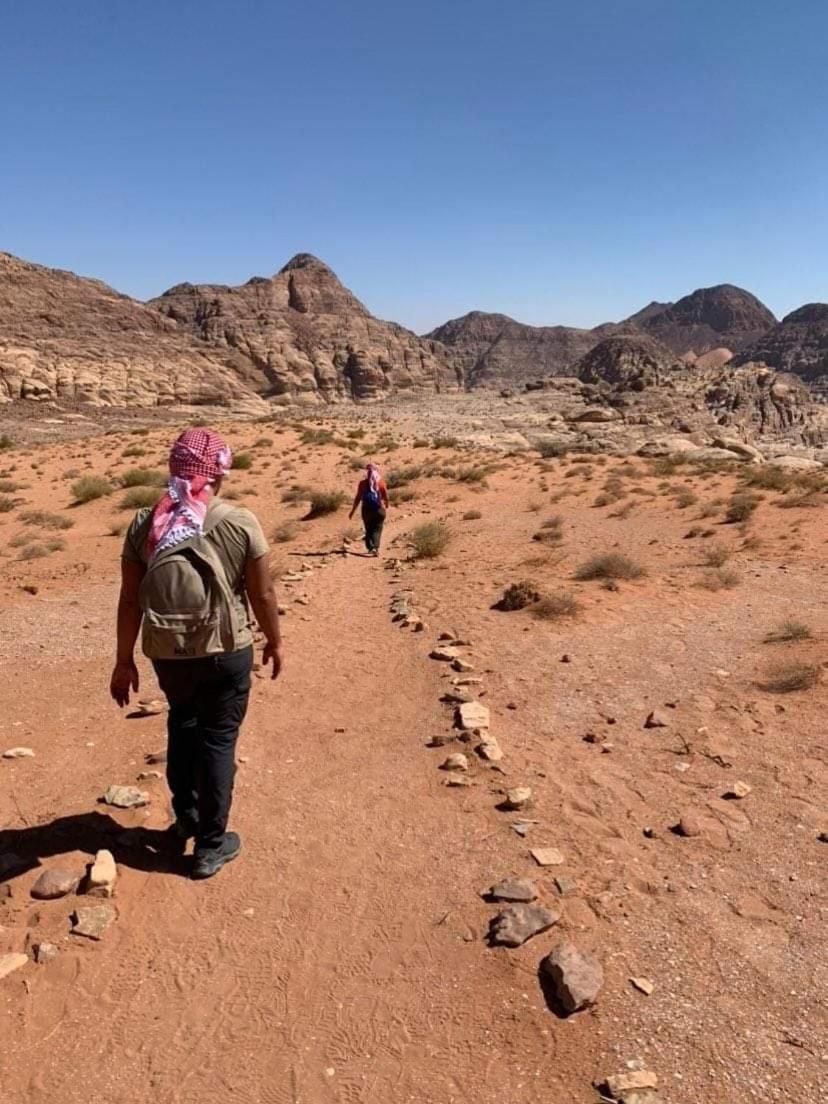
(301, 335)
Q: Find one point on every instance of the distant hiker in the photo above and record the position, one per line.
(373, 494)
(188, 567)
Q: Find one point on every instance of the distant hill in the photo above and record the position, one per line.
(709, 318)
(798, 344)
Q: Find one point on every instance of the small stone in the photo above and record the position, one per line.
(5, 891)
(456, 778)
(443, 654)
(472, 680)
(442, 739)
(737, 791)
(522, 828)
(93, 921)
(620, 1085)
(11, 962)
(518, 797)
(150, 707)
(457, 697)
(490, 750)
(656, 720)
(649, 833)
(566, 658)
(514, 889)
(517, 923)
(462, 666)
(455, 762)
(547, 856)
(149, 776)
(565, 885)
(155, 757)
(446, 635)
(822, 837)
(471, 715)
(643, 985)
(689, 825)
(102, 876)
(54, 883)
(576, 976)
(125, 797)
(44, 952)
(18, 753)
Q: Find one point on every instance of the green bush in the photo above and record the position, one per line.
(139, 497)
(134, 450)
(5, 442)
(610, 565)
(7, 504)
(518, 596)
(90, 487)
(143, 477)
(430, 540)
(242, 461)
(326, 502)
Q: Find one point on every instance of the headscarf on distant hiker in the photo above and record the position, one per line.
(374, 479)
(197, 459)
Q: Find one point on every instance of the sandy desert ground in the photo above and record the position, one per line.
(344, 957)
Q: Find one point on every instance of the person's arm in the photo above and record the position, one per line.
(357, 500)
(262, 595)
(125, 673)
(384, 494)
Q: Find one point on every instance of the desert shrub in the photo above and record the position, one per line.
(7, 504)
(789, 630)
(517, 596)
(553, 606)
(138, 497)
(263, 442)
(686, 498)
(610, 565)
(420, 442)
(55, 544)
(721, 578)
(785, 678)
(134, 450)
(297, 492)
(444, 441)
(768, 477)
(472, 475)
(5, 442)
(398, 477)
(603, 500)
(33, 552)
(143, 477)
(627, 471)
(555, 521)
(799, 499)
(472, 515)
(139, 432)
(90, 487)
(741, 507)
(232, 494)
(549, 450)
(430, 540)
(716, 555)
(548, 536)
(357, 434)
(285, 532)
(8, 486)
(21, 539)
(45, 520)
(624, 511)
(242, 461)
(405, 495)
(667, 465)
(325, 502)
(709, 510)
(316, 436)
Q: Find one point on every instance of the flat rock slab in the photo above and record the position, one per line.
(490, 750)
(443, 654)
(54, 883)
(92, 921)
(461, 665)
(125, 797)
(18, 753)
(517, 923)
(547, 856)
(623, 1085)
(44, 951)
(11, 962)
(472, 715)
(514, 889)
(576, 976)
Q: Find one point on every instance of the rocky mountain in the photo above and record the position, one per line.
(798, 344)
(495, 350)
(73, 340)
(302, 335)
(709, 318)
(629, 363)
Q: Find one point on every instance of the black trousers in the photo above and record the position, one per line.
(373, 520)
(208, 700)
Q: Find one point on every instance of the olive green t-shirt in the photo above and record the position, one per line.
(237, 538)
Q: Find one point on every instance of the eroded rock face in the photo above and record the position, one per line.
(798, 344)
(764, 403)
(70, 340)
(301, 333)
(628, 363)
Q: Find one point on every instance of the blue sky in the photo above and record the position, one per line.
(559, 162)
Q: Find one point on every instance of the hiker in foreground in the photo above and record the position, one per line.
(189, 566)
(373, 494)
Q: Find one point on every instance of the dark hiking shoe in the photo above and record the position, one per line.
(208, 861)
(177, 835)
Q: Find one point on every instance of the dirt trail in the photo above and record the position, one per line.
(333, 961)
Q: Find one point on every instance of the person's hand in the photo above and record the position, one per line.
(273, 654)
(350, 515)
(124, 678)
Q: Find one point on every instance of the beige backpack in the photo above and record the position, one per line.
(186, 599)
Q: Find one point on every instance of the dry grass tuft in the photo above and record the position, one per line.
(788, 630)
(610, 565)
(553, 606)
(285, 532)
(786, 678)
(325, 502)
(721, 578)
(430, 540)
(90, 487)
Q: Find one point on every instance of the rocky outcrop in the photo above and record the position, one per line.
(798, 344)
(71, 340)
(495, 350)
(764, 404)
(708, 318)
(302, 335)
(627, 363)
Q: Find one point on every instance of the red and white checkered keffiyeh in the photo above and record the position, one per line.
(197, 459)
